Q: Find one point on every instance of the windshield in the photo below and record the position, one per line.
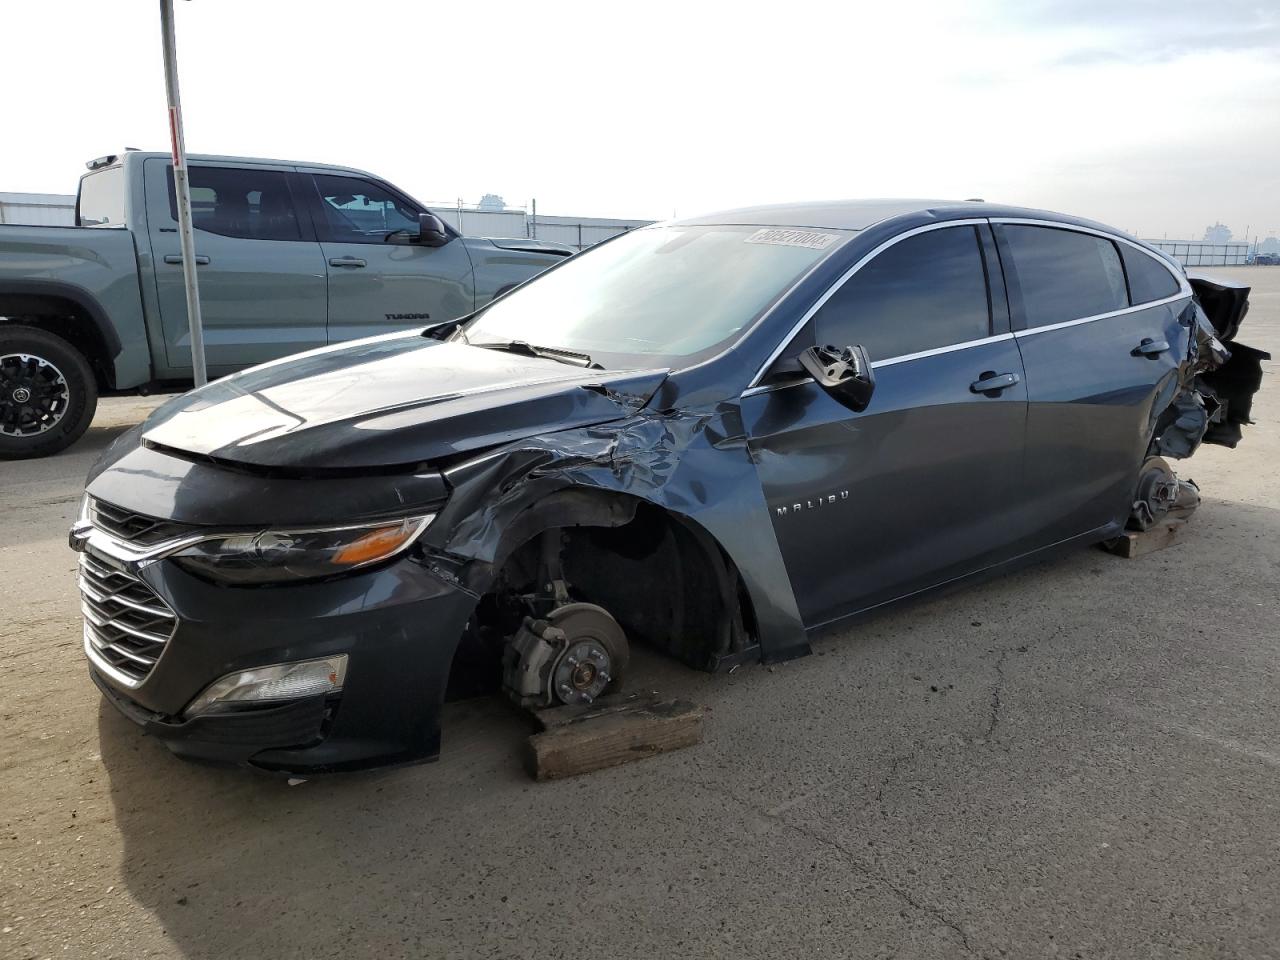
(660, 296)
(101, 200)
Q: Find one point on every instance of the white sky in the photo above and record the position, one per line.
(1157, 116)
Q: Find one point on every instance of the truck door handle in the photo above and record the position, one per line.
(201, 259)
(1150, 348)
(991, 383)
(346, 262)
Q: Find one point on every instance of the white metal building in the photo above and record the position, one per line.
(38, 209)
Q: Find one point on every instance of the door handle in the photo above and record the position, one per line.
(201, 259)
(991, 383)
(1150, 348)
(346, 262)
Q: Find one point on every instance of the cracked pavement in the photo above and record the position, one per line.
(1078, 760)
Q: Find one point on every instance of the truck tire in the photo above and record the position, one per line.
(48, 394)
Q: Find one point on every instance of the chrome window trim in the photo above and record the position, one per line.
(1183, 286)
(1184, 290)
(889, 362)
(1032, 331)
(842, 280)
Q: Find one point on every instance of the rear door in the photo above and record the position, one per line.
(378, 280)
(917, 489)
(262, 277)
(1099, 368)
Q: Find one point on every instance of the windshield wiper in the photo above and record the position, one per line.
(525, 349)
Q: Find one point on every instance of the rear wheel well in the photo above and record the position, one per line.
(665, 580)
(62, 317)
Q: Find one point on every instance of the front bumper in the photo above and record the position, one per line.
(398, 624)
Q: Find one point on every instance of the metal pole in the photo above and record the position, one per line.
(533, 224)
(182, 191)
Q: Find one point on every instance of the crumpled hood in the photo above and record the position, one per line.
(401, 399)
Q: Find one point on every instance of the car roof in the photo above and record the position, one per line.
(861, 214)
(248, 161)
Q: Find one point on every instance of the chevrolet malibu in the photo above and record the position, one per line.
(713, 436)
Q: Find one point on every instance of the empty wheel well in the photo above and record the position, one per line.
(664, 579)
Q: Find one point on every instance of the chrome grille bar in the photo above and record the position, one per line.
(126, 624)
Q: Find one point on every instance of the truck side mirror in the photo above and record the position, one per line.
(845, 374)
(431, 230)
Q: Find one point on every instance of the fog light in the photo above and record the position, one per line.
(281, 681)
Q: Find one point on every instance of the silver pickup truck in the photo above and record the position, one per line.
(291, 255)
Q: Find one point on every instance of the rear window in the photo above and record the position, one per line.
(1065, 275)
(1148, 278)
(101, 199)
(248, 203)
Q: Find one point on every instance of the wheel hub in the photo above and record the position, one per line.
(582, 672)
(34, 395)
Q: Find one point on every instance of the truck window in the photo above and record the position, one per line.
(101, 199)
(237, 202)
(361, 211)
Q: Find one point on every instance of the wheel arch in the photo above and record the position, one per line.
(69, 312)
(658, 554)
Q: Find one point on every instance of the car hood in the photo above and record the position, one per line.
(387, 401)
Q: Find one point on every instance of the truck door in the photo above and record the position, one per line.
(262, 279)
(920, 487)
(379, 280)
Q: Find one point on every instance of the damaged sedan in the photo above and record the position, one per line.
(713, 437)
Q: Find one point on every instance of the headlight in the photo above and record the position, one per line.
(275, 555)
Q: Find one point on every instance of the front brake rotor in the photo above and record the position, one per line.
(594, 656)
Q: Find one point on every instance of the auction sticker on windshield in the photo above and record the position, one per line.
(794, 238)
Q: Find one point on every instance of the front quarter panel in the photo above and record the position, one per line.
(498, 270)
(694, 464)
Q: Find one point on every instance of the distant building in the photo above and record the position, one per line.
(38, 209)
(491, 202)
(1218, 233)
(1270, 247)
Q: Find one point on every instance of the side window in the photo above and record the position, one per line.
(1148, 278)
(1065, 275)
(240, 202)
(361, 211)
(923, 292)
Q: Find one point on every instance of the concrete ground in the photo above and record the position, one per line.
(1079, 760)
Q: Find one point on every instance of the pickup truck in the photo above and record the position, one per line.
(292, 256)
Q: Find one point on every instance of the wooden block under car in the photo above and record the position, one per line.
(580, 739)
(1135, 543)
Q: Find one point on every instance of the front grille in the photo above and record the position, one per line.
(125, 623)
(133, 527)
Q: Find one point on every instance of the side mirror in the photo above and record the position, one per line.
(431, 230)
(845, 373)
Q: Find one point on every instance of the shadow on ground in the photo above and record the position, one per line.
(936, 782)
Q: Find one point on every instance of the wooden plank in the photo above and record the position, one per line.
(581, 739)
(1136, 543)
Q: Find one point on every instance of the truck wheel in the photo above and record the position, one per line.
(47, 393)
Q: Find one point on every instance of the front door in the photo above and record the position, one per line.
(379, 280)
(916, 489)
(261, 274)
